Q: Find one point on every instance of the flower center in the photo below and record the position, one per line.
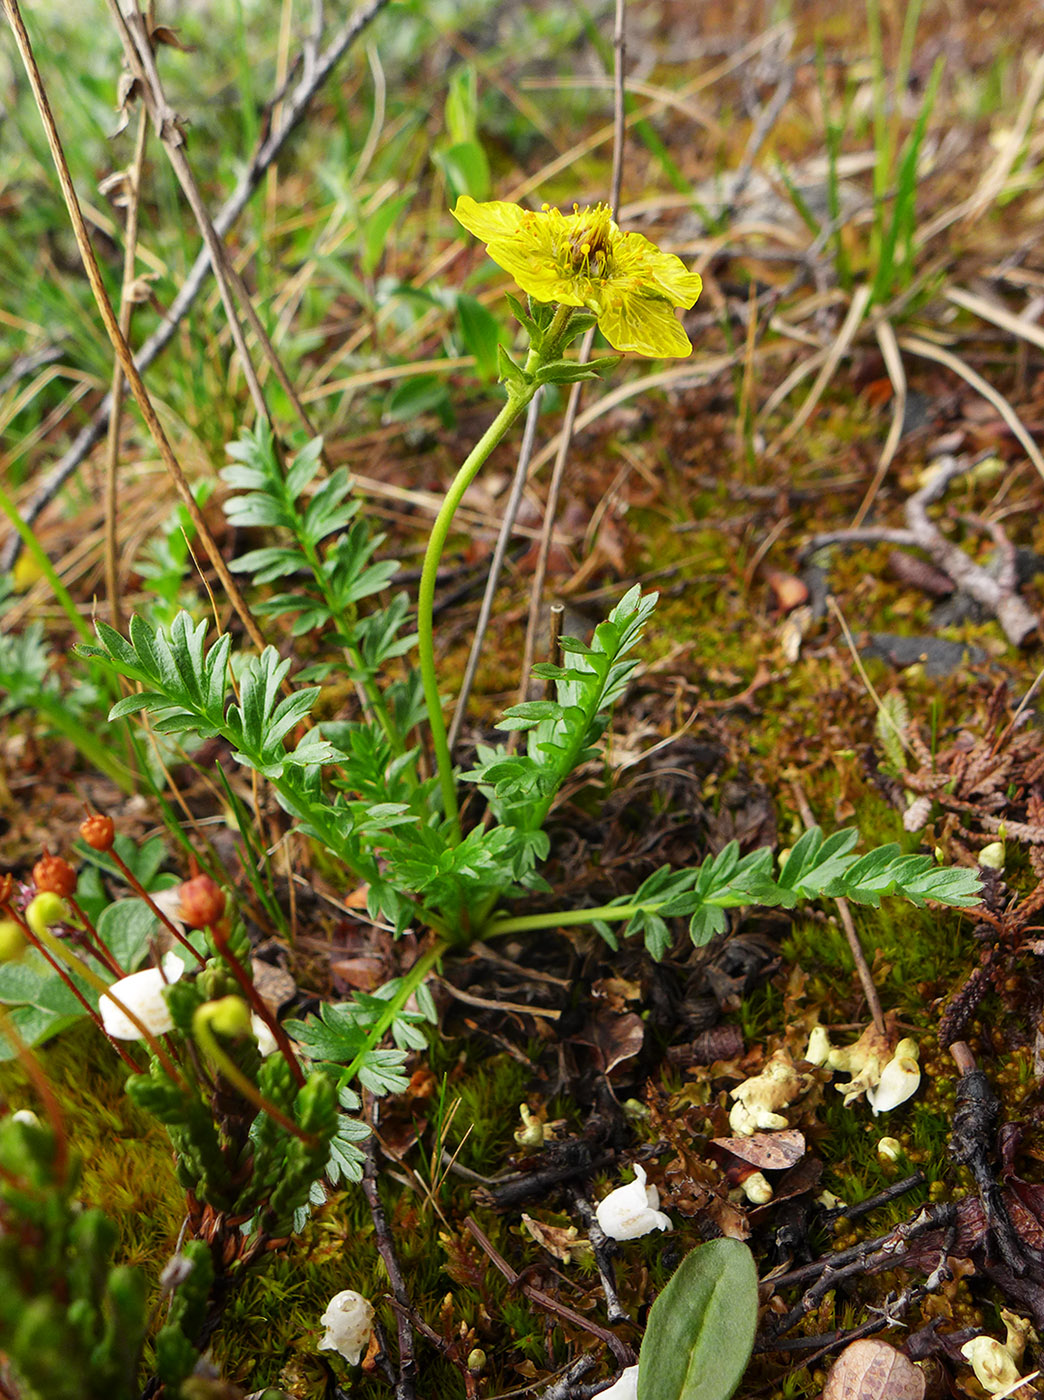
(589, 240)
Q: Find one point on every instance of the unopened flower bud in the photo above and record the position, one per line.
(227, 1015)
(142, 993)
(202, 902)
(45, 910)
(889, 1149)
(6, 889)
(12, 940)
(266, 1041)
(53, 875)
(625, 1387)
(98, 831)
(992, 856)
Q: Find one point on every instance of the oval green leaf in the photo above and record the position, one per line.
(701, 1328)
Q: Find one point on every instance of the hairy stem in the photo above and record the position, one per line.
(409, 984)
(474, 461)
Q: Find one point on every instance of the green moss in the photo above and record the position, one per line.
(128, 1168)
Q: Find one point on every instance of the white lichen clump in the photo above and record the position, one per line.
(632, 1210)
(759, 1099)
(142, 993)
(348, 1320)
(887, 1077)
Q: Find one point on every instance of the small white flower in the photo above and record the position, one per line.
(266, 1041)
(632, 1210)
(142, 993)
(348, 1320)
(625, 1386)
(899, 1079)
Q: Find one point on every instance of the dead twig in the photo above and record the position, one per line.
(314, 74)
(620, 1350)
(573, 405)
(127, 302)
(998, 594)
(405, 1386)
(112, 326)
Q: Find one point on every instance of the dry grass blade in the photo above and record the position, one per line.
(998, 315)
(889, 345)
(112, 326)
(127, 300)
(992, 183)
(687, 376)
(916, 346)
(837, 351)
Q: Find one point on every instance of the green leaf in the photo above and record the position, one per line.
(466, 169)
(376, 230)
(701, 1328)
(423, 393)
(480, 333)
(124, 928)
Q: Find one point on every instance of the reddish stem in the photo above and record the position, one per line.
(258, 1003)
(140, 890)
(64, 975)
(47, 1096)
(94, 941)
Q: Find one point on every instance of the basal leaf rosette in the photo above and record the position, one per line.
(584, 259)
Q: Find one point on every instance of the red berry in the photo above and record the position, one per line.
(202, 902)
(99, 832)
(53, 875)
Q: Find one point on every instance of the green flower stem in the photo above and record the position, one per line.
(518, 399)
(474, 461)
(605, 913)
(231, 1071)
(409, 984)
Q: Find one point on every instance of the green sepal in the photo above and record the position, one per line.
(574, 372)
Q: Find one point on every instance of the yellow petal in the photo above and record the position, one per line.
(493, 219)
(646, 325)
(533, 267)
(635, 256)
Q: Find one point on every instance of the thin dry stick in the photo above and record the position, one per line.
(499, 553)
(137, 48)
(897, 374)
(230, 283)
(866, 979)
(112, 327)
(127, 301)
(405, 1387)
(316, 66)
(573, 404)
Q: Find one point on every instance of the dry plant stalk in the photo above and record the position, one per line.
(112, 325)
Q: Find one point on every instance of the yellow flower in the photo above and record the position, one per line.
(583, 259)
